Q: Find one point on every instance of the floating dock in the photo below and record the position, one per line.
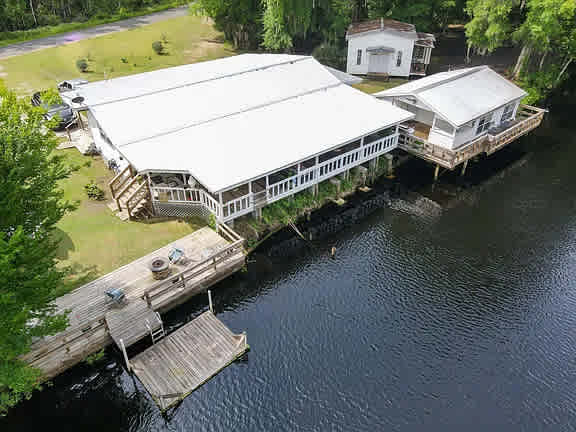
(184, 360)
(94, 322)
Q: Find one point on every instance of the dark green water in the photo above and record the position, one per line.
(453, 308)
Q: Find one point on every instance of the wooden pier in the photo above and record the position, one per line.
(184, 360)
(95, 322)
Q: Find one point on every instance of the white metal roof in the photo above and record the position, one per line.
(226, 131)
(232, 150)
(462, 95)
(106, 91)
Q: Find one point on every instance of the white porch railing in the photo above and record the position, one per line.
(330, 168)
(289, 186)
(185, 196)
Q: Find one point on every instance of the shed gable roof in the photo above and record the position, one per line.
(380, 24)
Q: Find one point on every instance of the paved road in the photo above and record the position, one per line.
(74, 36)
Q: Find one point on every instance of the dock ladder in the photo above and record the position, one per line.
(156, 333)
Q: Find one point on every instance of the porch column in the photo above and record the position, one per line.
(436, 172)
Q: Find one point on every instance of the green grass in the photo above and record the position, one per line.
(372, 86)
(9, 38)
(190, 39)
(92, 236)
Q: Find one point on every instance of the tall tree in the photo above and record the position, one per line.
(30, 206)
(239, 20)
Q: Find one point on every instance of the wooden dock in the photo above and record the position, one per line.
(184, 360)
(94, 322)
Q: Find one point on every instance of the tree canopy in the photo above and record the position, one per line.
(30, 205)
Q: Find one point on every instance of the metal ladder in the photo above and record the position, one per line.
(158, 333)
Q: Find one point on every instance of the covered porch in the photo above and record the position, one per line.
(180, 189)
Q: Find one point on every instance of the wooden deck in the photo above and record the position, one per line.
(528, 118)
(91, 313)
(132, 322)
(183, 361)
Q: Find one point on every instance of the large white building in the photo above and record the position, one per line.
(385, 47)
(229, 136)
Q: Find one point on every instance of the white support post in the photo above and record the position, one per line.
(125, 354)
(210, 301)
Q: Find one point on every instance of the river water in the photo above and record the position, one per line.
(452, 307)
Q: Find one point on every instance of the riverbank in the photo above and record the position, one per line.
(286, 212)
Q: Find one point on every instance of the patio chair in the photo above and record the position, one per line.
(177, 256)
(116, 296)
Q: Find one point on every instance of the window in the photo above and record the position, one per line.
(399, 59)
(418, 54)
(483, 124)
(508, 111)
(359, 57)
(444, 126)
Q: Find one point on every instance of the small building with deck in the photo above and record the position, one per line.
(460, 114)
(230, 136)
(385, 47)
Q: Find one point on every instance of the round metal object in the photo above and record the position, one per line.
(160, 267)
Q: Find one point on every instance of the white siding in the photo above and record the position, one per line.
(375, 39)
(441, 138)
(107, 151)
(465, 134)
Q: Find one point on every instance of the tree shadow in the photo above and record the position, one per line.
(65, 244)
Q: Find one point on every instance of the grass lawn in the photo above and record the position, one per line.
(92, 236)
(190, 39)
(372, 86)
(9, 38)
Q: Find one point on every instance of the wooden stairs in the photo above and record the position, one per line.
(131, 196)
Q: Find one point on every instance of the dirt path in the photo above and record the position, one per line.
(75, 36)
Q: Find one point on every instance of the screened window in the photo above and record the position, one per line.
(359, 57)
(483, 124)
(383, 133)
(444, 126)
(418, 53)
(399, 59)
(508, 111)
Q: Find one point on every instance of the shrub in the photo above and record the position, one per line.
(124, 59)
(82, 65)
(158, 47)
(93, 191)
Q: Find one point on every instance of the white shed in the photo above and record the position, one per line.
(388, 47)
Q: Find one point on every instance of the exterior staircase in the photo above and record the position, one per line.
(131, 196)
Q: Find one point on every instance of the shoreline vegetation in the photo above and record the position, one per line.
(288, 211)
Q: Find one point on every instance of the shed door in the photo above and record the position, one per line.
(378, 63)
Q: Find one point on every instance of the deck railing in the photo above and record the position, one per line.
(310, 176)
(528, 118)
(288, 186)
(191, 275)
(186, 196)
(119, 181)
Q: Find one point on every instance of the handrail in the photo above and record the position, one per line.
(132, 202)
(183, 276)
(121, 175)
(449, 158)
(226, 231)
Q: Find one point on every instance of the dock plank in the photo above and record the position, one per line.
(187, 358)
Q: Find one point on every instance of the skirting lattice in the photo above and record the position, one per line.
(181, 210)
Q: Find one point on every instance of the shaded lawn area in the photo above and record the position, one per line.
(373, 86)
(92, 236)
(190, 39)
